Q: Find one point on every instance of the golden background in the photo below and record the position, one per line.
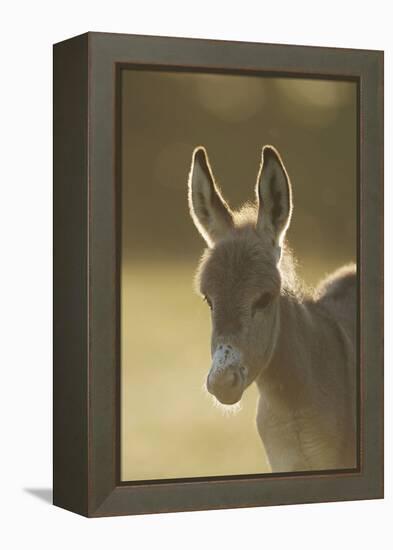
(169, 425)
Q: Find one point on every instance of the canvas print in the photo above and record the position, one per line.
(238, 274)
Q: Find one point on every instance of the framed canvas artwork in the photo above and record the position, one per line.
(218, 274)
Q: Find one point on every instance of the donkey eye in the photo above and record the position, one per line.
(263, 301)
(208, 301)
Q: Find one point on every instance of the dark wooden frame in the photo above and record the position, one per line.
(86, 290)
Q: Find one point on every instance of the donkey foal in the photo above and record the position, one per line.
(298, 348)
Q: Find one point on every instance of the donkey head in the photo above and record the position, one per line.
(239, 273)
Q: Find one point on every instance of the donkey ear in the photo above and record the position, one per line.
(212, 216)
(274, 195)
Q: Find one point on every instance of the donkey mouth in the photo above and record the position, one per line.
(228, 399)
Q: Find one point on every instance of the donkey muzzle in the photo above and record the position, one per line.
(227, 377)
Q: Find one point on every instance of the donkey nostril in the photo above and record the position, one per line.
(235, 379)
(227, 379)
(231, 379)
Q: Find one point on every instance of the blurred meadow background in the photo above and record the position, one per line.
(170, 427)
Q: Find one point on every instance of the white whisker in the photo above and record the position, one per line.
(227, 410)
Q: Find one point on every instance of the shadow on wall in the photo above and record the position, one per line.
(44, 494)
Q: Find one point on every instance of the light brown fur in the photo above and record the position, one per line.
(298, 346)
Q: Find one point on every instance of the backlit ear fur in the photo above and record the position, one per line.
(274, 197)
(212, 216)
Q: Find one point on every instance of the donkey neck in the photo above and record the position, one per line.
(308, 340)
(289, 368)
(305, 390)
